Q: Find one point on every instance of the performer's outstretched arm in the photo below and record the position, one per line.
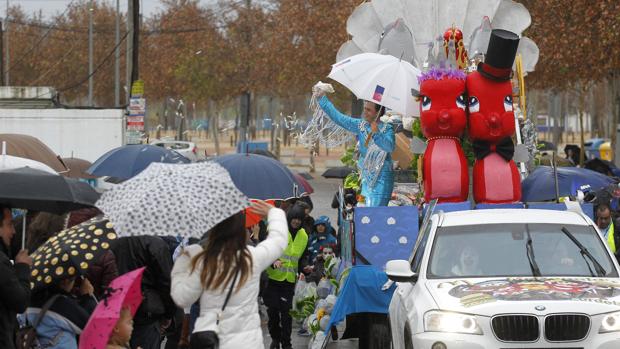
(385, 140)
(348, 123)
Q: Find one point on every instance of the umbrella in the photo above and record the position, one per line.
(306, 175)
(263, 152)
(127, 161)
(77, 168)
(124, 291)
(382, 79)
(303, 183)
(540, 184)
(338, 172)
(173, 199)
(260, 177)
(32, 148)
(37, 190)
(544, 145)
(251, 218)
(8, 162)
(70, 252)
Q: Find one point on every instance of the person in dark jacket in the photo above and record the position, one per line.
(14, 282)
(157, 308)
(104, 270)
(308, 221)
(66, 317)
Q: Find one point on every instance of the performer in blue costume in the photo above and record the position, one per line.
(376, 143)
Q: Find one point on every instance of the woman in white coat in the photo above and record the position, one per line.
(207, 273)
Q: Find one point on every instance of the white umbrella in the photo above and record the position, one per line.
(173, 199)
(382, 79)
(9, 162)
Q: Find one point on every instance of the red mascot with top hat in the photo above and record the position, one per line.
(492, 124)
(443, 121)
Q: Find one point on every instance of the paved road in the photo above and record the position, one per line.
(324, 190)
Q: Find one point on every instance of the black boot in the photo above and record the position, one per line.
(274, 345)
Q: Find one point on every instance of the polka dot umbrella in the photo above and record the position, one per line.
(70, 252)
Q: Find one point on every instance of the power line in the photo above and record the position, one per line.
(36, 44)
(70, 87)
(73, 46)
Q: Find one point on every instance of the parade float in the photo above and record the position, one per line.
(472, 139)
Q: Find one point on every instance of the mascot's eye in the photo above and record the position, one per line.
(460, 102)
(426, 103)
(474, 105)
(508, 103)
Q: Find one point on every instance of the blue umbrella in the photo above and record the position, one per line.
(129, 160)
(540, 184)
(261, 177)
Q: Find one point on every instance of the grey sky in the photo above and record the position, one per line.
(52, 7)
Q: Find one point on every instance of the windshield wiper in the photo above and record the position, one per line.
(585, 253)
(530, 253)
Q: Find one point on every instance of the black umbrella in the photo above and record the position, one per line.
(338, 172)
(36, 190)
(263, 152)
(544, 145)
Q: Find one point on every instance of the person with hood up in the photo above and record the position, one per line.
(282, 275)
(322, 236)
(67, 315)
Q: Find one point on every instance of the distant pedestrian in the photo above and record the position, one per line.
(605, 223)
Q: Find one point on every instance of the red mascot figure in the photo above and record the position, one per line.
(492, 124)
(443, 121)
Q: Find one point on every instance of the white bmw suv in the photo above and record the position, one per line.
(513, 278)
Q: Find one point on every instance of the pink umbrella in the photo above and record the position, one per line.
(124, 291)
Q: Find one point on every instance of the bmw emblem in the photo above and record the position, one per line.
(540, 308)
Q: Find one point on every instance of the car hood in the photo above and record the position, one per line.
(492, 296)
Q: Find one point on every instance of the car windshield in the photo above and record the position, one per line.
(492, 250)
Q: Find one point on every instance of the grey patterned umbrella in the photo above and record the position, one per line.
(173, 199)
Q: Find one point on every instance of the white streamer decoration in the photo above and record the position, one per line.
(321, 129)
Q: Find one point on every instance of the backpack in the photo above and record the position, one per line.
(27, 334)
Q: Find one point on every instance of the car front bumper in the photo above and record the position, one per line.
(464, 341)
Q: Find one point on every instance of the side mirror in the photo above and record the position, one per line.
(399, 270)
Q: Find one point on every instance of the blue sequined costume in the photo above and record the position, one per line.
(377, 185)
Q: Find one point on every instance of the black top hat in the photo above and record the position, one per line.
(500, 55)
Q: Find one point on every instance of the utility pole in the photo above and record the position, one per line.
(135, 66)
(133, 26)
(246, 96)
(7, 64)
(117, 57)
(1, 54)
(128, 55)
(90, 53)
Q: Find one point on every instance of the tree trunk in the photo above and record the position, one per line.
(582, 103)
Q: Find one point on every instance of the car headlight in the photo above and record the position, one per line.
(611, 323)
(440, 321)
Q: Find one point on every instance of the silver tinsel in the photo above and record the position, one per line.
(322, 129)
(530, 140)
(373, 163)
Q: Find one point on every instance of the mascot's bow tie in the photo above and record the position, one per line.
(505, 148)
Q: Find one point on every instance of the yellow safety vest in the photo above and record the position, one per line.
(611, 238)
(290, 258)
